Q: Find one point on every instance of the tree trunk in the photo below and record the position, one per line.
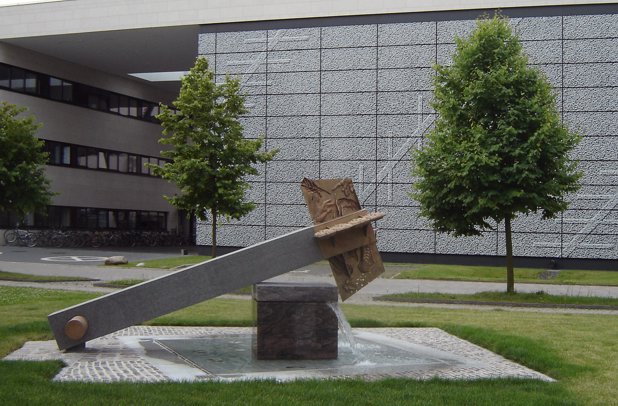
(213, 251)
(510, 275)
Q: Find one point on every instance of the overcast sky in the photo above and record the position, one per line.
(13, 2)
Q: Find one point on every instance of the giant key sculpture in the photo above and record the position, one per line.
(342, 234)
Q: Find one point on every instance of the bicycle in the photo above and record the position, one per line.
(20, 237)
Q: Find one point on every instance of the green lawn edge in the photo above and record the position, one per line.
(578, 350)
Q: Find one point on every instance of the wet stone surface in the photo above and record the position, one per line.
(157, 354)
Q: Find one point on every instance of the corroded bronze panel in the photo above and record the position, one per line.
(328, 199)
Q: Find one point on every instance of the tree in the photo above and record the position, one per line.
(209, 156)
(498, 148)
(23, 185)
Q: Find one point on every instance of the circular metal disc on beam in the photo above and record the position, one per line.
(76, 328)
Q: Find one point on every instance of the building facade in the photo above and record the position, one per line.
(342, 88)
(99, 130)
(350, 97)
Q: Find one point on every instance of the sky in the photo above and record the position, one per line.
(14, 2)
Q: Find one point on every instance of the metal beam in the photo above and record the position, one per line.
(184, 288)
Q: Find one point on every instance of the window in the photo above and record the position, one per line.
(25, 81)
(31, 83)
(87, 157)
(133, 107)
(102, 160)
(133, 164)
(5, 76)
(112, 161)
(55, 89)
(145, 168)
(18, 77)
(114, 106)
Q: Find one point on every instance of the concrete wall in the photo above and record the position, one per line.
(348, 97)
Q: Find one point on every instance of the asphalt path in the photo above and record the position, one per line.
(82, 263)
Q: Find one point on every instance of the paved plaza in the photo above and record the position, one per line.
(143, 354)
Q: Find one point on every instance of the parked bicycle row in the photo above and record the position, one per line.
(94, 239)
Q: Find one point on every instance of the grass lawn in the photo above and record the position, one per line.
(20, 277)
(581, 351)
(540, 297)
(498, 274)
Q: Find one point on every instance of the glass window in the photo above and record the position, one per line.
(133, 106)
(92, 218)
(67, 91)
(112, 159)
(5, 76)
(103, 217)
(93, 158)
(55, 89)
(122, 220)
(66, 155)
(111, 219)
(145, 169)
(102, 160)
(93, 101)
(82, 218)
(114, 106)
(123, 105)
(82, 157)
(31, 83)
(55, 152)
(18, 77)
(123, 162)
(132, 220)
(133, 164)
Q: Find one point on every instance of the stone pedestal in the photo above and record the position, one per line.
(294, 321)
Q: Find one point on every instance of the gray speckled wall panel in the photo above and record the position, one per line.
(294, 127)
(591, 99)
(405, 79)
(285, 193)
(447, 244)
(409, 56)
(288, 39)
(593, 123)
(549, 51)
(349, 36)
(296, 149)
(591, 26)
(540, 28)
(348, 126)
(591, 75)
(294, 61)
(348, 103)
(348, 58)
(294, 104)
(407, 34)
(343, 101)
(293, 82)
(349, 81)
(287, 215)
(590, 50)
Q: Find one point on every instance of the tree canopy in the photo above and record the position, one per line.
(498, 148)
(209, 156)
(23, 185)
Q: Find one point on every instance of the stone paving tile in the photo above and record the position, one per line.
(111, 358)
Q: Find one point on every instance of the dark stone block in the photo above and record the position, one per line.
(292, 324)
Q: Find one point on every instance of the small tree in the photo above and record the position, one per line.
(498, 148)
(23, 185)
(209, 157)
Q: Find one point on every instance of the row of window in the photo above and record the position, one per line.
(66, 217)
(77, 156)
(39, 84)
